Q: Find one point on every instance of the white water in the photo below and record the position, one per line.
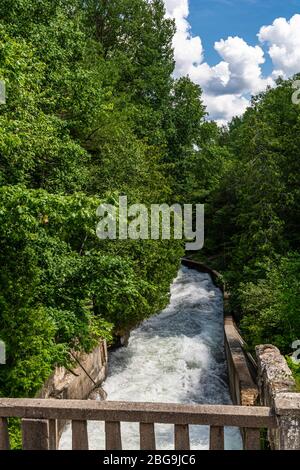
(176, 356)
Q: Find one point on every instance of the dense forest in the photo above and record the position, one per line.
(93, 112)
(254, 218)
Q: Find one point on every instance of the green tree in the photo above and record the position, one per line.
(85, 121)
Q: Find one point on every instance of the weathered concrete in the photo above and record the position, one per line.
(242, 387)
(277, 389)
(81, 381)
(274, 375)
(35, 434)
(36, 414)
(138, 412)
(4, 435)
(84, 381)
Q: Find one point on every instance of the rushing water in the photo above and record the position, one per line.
(176, 356)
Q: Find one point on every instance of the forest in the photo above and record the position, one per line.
(93, 112)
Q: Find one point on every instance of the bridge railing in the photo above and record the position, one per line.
(39, 422)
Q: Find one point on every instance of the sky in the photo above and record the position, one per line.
(235, 48)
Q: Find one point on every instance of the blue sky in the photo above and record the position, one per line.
(217, 19)
(235, 48)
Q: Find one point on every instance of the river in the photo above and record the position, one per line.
(176, 356)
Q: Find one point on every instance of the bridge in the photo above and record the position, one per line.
(40, 422)
(266, 381)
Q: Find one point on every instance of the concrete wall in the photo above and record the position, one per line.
(277, 390)
(243, 389)
(78, 383)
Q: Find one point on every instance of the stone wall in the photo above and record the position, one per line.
(277, 390)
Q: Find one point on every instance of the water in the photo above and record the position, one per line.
(176, 356)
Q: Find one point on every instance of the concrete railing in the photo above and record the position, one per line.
(278, 389)
(39, 418)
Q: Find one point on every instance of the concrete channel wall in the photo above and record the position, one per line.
(89, 372)
(243, 389)
(87, 375)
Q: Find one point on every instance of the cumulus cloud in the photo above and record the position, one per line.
(244, 63)
(188, 50)
(223, 107)
(283, 38)
(228, 85)
(225, 84)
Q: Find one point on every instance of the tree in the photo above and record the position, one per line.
(255, 216)
(83, 123)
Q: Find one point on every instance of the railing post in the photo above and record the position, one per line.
(113, 440)
(287, 409)
(252, 439)
(4, 436)
(216, 440)
(53, 434)
(35, 434)
(147, 436)
(80, 439)
(277, 385)
(182, 437)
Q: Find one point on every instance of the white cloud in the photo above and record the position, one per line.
(244, 64)
(283, 37)
(188, 49)
(228, 85)
(223, 107)
(238, 73)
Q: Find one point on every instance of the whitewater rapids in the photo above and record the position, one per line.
(176, 356)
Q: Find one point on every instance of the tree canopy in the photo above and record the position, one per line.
(93, 112)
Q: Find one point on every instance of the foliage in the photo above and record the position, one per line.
(271, 312)
(43, 300)
(295, 368)
(89, 90)
(93, 112)
(253, 217)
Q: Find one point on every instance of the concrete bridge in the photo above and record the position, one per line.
(40, 422)
(262, 391)
(279, 413)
